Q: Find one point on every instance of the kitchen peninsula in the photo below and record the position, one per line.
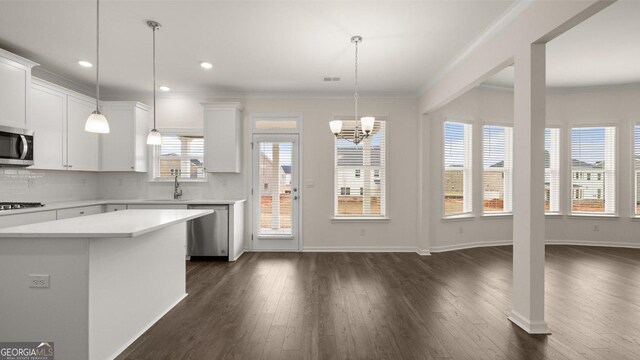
(92, 284)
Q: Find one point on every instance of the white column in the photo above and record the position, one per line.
(528, 201)
(366, 176)
(275, 186)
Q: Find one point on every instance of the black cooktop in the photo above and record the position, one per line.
(19, 205)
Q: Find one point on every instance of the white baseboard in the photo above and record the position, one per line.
(438, 249)
(532, 327)
(594, 243)
(147, 327)
(359, 249)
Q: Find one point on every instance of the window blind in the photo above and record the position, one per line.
(498, 168)
(593, 167)
(181, 155)
(458, 160)
(636, 161)
(552, 170)
(360, 176)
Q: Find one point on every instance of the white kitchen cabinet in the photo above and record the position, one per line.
(15, 90)
(125, 147)
(58, 120)
(112, 208)
(48, 121)
(222, 137)
(79, 211)
(25, 219)
(82, 146)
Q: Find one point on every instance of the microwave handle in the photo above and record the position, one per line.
(25, 147)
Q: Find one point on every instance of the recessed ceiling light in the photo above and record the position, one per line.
(164, 88)
(206, 65)
(85, 63)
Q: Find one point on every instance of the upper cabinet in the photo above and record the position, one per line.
(125, 147)
(15, 90)
(222, 137)
(58, 118)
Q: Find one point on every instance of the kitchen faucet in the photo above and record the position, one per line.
(177, 192)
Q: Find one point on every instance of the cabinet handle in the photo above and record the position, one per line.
(132, 168)
(81, 212)
(69, 165)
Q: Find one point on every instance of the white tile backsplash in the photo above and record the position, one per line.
(47, 186)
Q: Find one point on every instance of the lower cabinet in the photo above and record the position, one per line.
(112, 208)
(79, 211)
(25, 219)
(159, 206)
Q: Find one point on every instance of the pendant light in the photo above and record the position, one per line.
(366, 122)
(96, 122)
(154, 137)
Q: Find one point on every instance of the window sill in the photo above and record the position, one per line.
(458, 217)
(498, 216)
(359, 219)
(554, 215)
(594, 216)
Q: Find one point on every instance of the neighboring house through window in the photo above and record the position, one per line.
(458, 159)
(362, 168)
(552, 170)
(180, 154)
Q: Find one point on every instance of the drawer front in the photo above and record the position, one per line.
(158, 206)
(112, 208)
(79, 211)
(25, 219)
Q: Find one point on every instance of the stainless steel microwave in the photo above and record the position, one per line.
(16, 146)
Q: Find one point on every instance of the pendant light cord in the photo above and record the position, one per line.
(154, 77)
(97, 55)
(355, 94)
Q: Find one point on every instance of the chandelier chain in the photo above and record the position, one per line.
(97, 55)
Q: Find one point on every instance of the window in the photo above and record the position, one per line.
(593, 152)
(552, 170)
(362, 167)
(179, 154)
(498, 169)
(636, 162)
(457, 168)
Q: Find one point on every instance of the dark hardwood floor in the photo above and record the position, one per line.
(451, 305)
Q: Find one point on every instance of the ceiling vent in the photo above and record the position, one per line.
(330, 79)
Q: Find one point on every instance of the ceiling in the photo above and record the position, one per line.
(604, 50)
(255, 46)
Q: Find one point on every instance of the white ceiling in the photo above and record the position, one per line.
(603, 50)
(255, 46)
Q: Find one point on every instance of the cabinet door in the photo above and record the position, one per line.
(141, 147)
(118, 145)
(222, 139)
(82, 146)
(112, 208)
(13, 95)
(48, 116)
(26, 219)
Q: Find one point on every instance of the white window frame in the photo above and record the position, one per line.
(634, 171)
(558, 191)
(615, 170)
(507, 171)
(467, 171)
(154, 154)
(384, 179)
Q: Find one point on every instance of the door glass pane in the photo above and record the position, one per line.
(275, 188)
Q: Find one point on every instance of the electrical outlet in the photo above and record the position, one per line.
(363, 232)
(38, 280)
(596, 228)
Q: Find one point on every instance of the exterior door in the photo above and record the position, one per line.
(276, 193)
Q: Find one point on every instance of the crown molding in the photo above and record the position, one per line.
(56, 79)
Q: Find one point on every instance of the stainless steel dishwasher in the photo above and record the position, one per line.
(209, 235)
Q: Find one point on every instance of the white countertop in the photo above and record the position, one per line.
(81, 203)
(119, 224)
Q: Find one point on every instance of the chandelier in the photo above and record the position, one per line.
(366, 123)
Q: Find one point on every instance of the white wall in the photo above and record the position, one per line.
(612, 106)
(319, 232)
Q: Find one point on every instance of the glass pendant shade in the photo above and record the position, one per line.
(154, 138)
(97, 123)
(367, 123)
(336, 126)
